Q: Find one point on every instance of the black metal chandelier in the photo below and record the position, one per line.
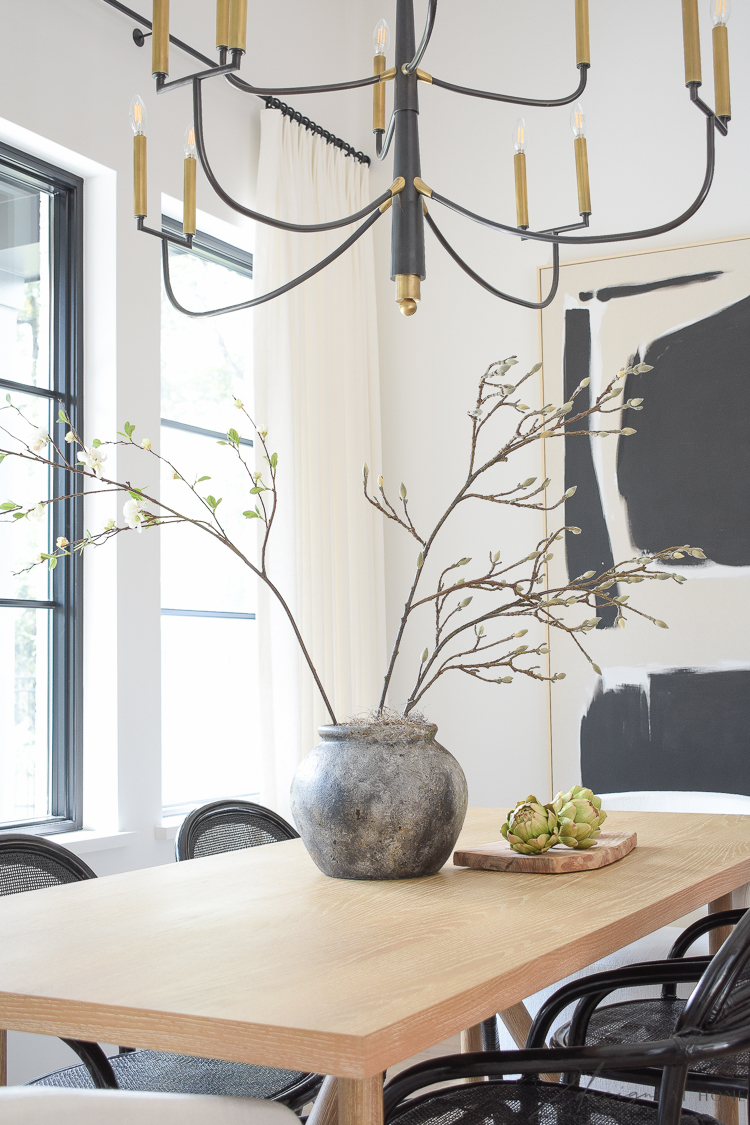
(408, 194)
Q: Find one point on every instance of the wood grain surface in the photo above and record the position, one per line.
(256, 956)
(499, 856)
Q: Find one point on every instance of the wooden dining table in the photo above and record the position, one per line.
(255, 956)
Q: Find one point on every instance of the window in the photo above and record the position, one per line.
(209, 646)
(40, 369)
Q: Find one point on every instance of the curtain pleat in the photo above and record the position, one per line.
(317, 391)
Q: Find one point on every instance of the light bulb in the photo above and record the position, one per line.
(190, 140)
(720, 11)
(519, 135)
(578, 121)
(381, 38)
(138, 117)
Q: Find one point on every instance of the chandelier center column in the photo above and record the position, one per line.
(407, 240)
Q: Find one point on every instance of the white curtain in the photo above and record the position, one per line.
(317, 392)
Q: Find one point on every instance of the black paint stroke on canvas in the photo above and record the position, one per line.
(610, 292)
(693, 735)
(591, 550)
(685, 475)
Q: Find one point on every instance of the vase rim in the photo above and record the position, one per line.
(378, 732)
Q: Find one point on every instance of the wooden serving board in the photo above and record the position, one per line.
(499, 856)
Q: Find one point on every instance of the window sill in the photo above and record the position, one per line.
(168, 828)
(86, 840)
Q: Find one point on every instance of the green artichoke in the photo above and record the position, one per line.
(531, 827)
(580, 817)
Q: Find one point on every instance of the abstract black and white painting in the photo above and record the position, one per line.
(671, 710)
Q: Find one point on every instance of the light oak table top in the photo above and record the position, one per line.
(256, 956)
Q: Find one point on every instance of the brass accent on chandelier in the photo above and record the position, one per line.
(384, 206)
(398, 185)
(140, 181)
(378, 96)
(238, 25)
(721, 72)
(423, 76)
(408, 292)
(222, 23)
(691, 42)
(388, 75)
(583, 51)
(160, 38)
(189, 198)
(582, 176)
(522, 199)
(422, 187)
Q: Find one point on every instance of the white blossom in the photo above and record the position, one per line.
(70, 436)
(135, 513)
(109, 525)
(40, 439)
(146, 443)
(93, 457)
(37, 512)
(61, 541)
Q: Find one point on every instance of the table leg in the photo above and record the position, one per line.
(326, 1106)
(726, 1110)
(716, 938)
(361, 1100)
(3, 1058)
(518, 1022)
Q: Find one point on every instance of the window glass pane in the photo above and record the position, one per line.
(24, 714)
(209, 685)
(205, 362)
(24, 284)
(225, 582)
(25, 483)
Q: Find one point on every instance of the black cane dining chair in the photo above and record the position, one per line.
(227, 826)
(714, 1025)
(642, 1020)
(30, 862)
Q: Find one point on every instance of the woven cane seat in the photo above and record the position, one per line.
(524, 1103)
(639, 1021)
(164, 1073)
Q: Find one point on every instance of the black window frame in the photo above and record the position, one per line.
(65, 692)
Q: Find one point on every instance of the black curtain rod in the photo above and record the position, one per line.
(270, 103)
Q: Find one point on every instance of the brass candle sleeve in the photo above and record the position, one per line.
(691, 41)
(408, 292)
(237, 25)
(582, 176)
(522, 199)
(222, 23)
(721, 71)
(378, 96)
(188, 197)
(583, 52)
(140, 178)
(160, 38)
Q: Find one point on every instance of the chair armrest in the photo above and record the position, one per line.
(702, 926)
(686, 969)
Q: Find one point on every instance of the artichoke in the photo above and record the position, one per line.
(580, 817)
(531, 827)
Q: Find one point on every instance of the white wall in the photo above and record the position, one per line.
(67, 74)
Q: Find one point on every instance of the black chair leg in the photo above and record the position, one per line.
(96, 1063)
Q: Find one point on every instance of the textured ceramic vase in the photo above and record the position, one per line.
(379, 802)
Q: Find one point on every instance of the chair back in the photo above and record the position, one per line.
(28, 863)
(228, 826)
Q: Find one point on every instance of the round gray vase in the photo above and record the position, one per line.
(379, 802)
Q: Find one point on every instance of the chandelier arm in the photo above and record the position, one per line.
(274, 91)
(509, 98)
(409, 68)
(299, 228)
(383, 143)
(266, 296)
(490, 288)
(588, 240)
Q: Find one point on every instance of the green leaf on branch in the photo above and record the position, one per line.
(62, 416)
(129, 430)
(258, 488)
(53, 562)
(200, 479)
(222, 443)
(213, 503)
(8, 506)
(234, 437)
(96, 443)
(251, 515)
(7, 398)
(136, 494)
(19, 515)
(3, 456)
(274, 460)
